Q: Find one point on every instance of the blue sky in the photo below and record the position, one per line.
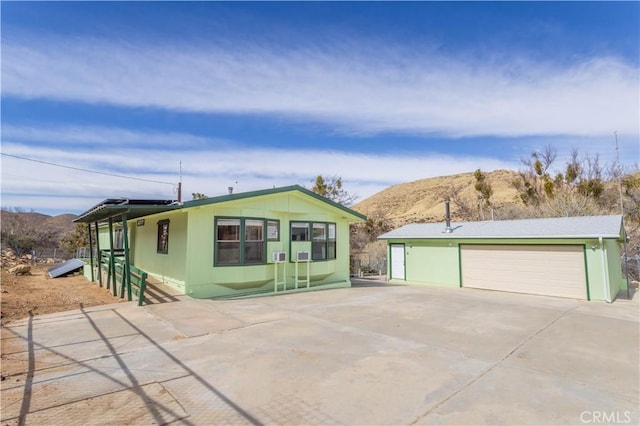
(256, 95)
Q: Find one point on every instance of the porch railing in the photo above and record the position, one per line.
(133, 282)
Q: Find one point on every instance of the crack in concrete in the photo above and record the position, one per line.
(485, 372)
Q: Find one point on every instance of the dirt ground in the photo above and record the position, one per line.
(24, 295)
(37, 294)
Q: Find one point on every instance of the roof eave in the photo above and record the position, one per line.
(494, 237)
(104, 212)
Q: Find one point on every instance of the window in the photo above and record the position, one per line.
(253, 241)
(240, 241)
(117, 239)
(228, 242)
(319, 244)
(273, 230)
(163, 236)
(331, 241)
(323, 238)
(299, 231)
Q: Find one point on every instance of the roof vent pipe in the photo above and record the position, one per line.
(447, 216)
(230, 190)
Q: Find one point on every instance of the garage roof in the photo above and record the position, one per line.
(562, 227)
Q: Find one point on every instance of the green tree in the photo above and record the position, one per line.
(535, 183)
(484, 189)
(77, 239)
(582, 179)
(198, 196)
(331, 187)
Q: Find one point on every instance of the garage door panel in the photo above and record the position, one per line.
(556, 270)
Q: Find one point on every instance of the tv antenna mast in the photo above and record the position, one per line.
(624, 232)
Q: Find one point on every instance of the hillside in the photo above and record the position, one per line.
(423, 200)
(24, 231)
(62, 224)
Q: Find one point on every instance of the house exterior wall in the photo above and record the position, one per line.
(191, 264)
(169, 267)
(616, 279)
(437, 262)
(432, 262)
(208, 280)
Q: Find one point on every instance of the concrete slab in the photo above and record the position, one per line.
(511, 396)
(374, 354)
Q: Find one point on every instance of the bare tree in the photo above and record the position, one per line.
(331, 187)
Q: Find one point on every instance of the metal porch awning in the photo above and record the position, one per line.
(118, 210)
(115, 208)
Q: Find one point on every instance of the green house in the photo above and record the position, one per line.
(574, 257)
(264, 241)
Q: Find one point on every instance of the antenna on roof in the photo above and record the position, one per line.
(624, 232)
(619, 171)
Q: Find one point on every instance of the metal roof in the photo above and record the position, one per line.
(133, 208)
(562, 227)
(115, 207)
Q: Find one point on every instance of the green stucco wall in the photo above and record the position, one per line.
(432, 262)
(616, 280)
(206, 280)
(437, 262)
(189, 263)
(169, 268)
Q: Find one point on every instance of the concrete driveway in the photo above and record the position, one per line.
(371, 354)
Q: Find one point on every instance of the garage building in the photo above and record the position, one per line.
(574, 257)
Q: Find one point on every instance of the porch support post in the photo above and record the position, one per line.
(112, 262)
(99, 255)
(127, 266)
(91, 252)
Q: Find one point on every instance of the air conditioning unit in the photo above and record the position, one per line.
(302, 256)
(279, 256)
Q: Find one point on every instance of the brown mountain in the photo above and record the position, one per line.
(423, 200)
(62, 223)
(25, 230)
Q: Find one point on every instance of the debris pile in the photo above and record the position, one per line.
(9, 261)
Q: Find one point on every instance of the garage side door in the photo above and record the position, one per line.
(397, 261)
(553, 270)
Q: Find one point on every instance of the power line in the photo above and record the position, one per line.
(86, 170)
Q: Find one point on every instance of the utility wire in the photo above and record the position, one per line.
(86, 170)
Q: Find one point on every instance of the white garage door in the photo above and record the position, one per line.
(554, 270)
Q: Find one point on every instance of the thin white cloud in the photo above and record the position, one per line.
(211, 171)
(104, 137)
(364, 92)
